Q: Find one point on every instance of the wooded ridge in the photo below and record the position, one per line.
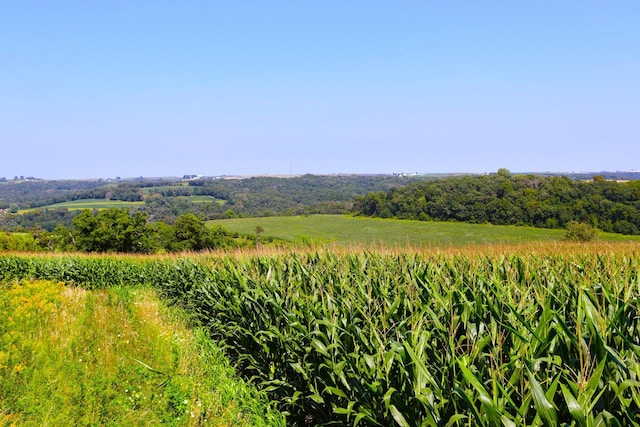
(503, 198)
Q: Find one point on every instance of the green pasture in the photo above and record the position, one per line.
(347, 230)
(89, 204)
(201, 199)
(106, 204)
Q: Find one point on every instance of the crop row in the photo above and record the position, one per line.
(407, 339)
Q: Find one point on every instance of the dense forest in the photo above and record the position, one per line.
(30, 194)
(503, 198)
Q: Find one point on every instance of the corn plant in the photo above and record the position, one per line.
(544, 337)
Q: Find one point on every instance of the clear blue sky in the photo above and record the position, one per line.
(155, 88)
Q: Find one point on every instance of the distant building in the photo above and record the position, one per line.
(190, 177)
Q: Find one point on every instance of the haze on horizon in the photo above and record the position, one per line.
(145, 88)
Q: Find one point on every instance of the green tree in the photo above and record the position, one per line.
(111, 230)
(60, 239)
(192, 234)
(18, 242)
(504, 172)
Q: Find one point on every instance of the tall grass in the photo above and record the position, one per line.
(526, 335)
(112, 357)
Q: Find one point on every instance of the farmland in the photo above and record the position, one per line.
(347, 230)
(526, 334)
(92, 204)
(82, 204)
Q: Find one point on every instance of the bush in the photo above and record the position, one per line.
(579, 232)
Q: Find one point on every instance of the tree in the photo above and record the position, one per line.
(111, 230)
(19, 242)
(192, 234)
(504, 172)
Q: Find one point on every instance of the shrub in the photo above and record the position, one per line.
(579, 232)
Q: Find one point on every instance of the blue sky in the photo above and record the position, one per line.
(158, 88)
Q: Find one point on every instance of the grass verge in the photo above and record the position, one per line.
(113, 357)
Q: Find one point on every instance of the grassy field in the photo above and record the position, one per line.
(105, 204)
(202, 199)
(69, 356)
(90, 204)
(346, 230)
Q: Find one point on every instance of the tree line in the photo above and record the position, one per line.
(118, 230)
(503, 198)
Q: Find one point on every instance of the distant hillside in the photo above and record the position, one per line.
(33, 193)
(612, 176)
(164, 199)
(503, 198)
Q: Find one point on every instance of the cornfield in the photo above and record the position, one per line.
(367, 338)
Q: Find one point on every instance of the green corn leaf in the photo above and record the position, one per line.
(464, 395)
(346, 411)
(592, 385)
(387, 397)
(606, 419)
(320, 347)
(591, 313)
(398, 417)
(316, 398)
(506, 394)
(473, 381)
(364, 413)
(564, 331)
(523, 322)
(454, 420)
(544, 408)
(488, 405)
(293, 399)
(507, 422)
(421, 369)
(622, 387)
(575, 409)
(359, 416)
(335, 391)
(393, 308)
(299, 369)
(613, 355)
